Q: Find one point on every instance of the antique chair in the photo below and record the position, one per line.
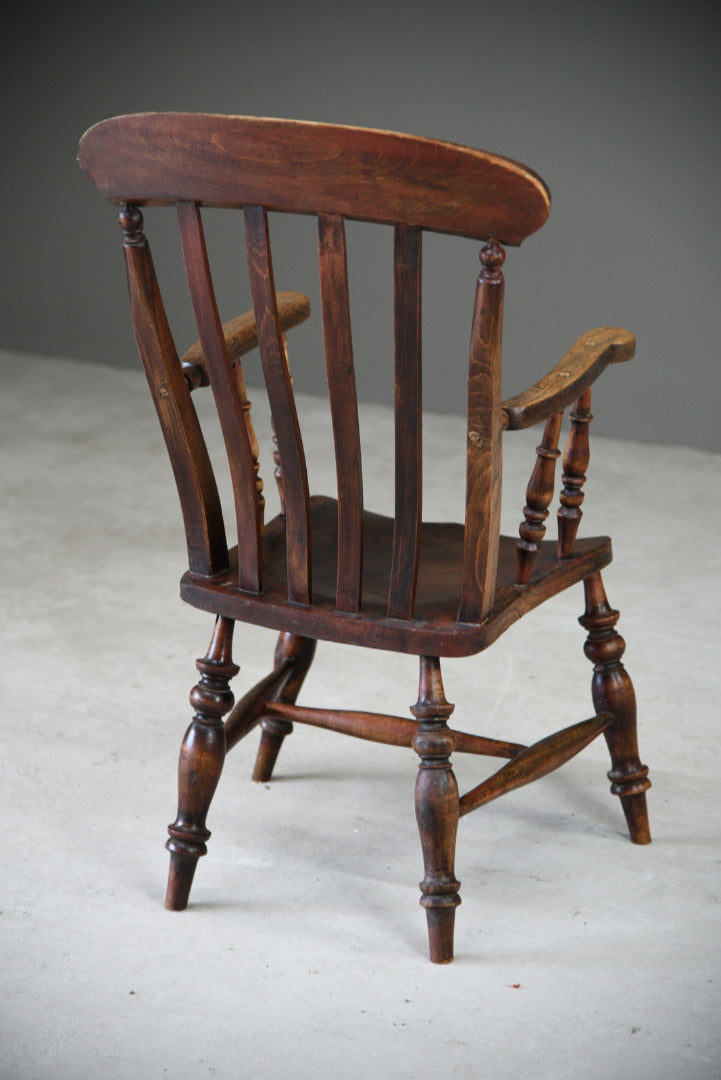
(328, 568)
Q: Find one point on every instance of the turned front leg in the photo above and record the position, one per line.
(613, 692)
(436, 810)
(201, 762)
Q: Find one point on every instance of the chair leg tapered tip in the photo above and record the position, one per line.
(180, 880)
(441, 922)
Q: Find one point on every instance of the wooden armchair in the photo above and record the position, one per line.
(327, 568)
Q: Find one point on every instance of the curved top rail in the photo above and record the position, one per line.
(303, 167)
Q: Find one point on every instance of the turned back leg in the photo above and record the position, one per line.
(300, 651)
(201, 761)
(613, 692)
(436, 810)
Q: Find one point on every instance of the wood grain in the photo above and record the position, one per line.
(381, 176)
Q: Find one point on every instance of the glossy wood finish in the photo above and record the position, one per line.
(201, 761)
(437, 809)
(536, 761)
(329, 569)
(344, 408)
(576, 458)
(613, 692)
(538, 496)
(391, 730)
(300, 167)
(580, 367)
(194, 478)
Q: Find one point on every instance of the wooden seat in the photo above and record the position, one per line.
(330, 569)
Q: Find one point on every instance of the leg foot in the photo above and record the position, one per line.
(274, 730)
(613, 692)
(180, 879)
(202, 754)
(436, 810)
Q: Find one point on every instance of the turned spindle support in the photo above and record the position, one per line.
(538, 497)
(201, 762)
(436, 809)
(613, 692)
(576, 457)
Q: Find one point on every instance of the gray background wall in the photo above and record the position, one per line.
(615, 105)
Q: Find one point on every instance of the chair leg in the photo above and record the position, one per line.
(613, 692)
(436, 810)
(301, 651)
(201, 761)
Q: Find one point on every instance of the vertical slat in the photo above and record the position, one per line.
(408, 503)
(344, 408)
(483, 460)
(200, 504)
(227, 398)
(282, 404)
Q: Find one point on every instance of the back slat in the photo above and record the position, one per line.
(344, 408)
(408, 502)
(227, 397)
(296, 166)
(202, 514)
(282, 405)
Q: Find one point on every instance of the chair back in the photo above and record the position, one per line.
(335, 173)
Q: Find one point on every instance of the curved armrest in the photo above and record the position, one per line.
(241, 335)
(581, 366)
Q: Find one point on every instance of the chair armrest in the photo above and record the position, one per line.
(581, 366)
(241, 335)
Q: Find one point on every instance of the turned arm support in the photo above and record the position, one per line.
(579, 368)
(241, 335)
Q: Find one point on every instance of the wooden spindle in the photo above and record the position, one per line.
(245, 407)
(575, 463)
(538, 497)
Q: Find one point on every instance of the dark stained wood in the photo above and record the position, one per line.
(538, 497)
(613, 692)
(241, 335)
(436, 809)
(202, 754)
(229, 401)
(434, 629)
(332, 570)
(282, 404)
(580, 367)
(382, 176)
(194, 478)
(408, 431)
(576, 457)
(344, 408)
(390, 730)
(483, 455)
(298, 652)
(536, 761)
